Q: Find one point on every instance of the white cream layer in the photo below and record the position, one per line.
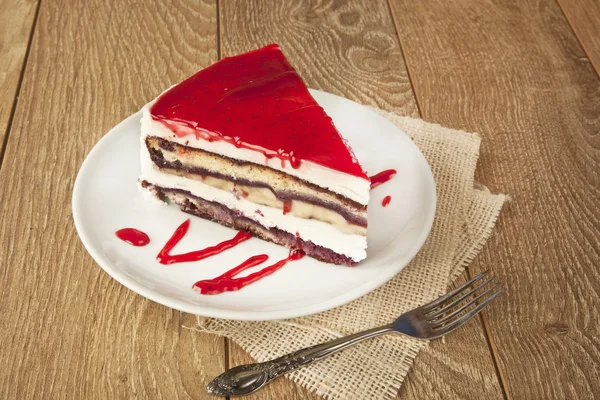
(318, 232)
(349, 186)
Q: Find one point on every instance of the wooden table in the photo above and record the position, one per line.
(524, 74)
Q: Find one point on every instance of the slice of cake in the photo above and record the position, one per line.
(244, 144)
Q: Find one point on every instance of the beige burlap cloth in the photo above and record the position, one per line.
(465, 216)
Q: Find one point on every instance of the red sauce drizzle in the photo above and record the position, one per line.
(382, 177)
(227, 281)
(133, 236)
(386, 200)
(287, 206)
(256, 101)
(165, 258)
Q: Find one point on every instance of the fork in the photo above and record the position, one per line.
(429, 321)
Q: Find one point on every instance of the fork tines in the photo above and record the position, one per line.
(459, 305)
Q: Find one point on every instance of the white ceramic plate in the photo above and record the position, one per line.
(106, 198)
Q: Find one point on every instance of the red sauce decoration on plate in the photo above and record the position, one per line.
(164, 256)
(227, 281)
(386, 200)
(382, 177)
(133, 236)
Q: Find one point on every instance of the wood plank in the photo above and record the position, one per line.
(16, 22)
(68, 330)
(583, 16)
(352, 50)
(515, 72)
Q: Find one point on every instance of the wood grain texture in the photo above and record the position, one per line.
(69, 330)
(16, 22)
(352, 50)
(515, 72)
(584, 18)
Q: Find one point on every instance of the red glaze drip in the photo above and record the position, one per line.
(298, 241)
(256, 101)
(227, 282)
(386, 200)
(287, 206)
(133, 237)
(165, 258)
(382, 177)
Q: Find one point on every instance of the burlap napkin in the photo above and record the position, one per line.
(375, 369)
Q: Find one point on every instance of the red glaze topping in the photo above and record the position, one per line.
(386, 200)
(382, 177)
(228, 283)
(256, 101)
(165, 258)
(133, 236)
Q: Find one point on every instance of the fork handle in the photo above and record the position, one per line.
(245, 379)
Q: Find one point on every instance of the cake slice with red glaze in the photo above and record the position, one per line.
(244, 144)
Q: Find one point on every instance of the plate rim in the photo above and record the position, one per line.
(212, 312)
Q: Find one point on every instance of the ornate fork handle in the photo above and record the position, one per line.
(432, 320)
(245, 379)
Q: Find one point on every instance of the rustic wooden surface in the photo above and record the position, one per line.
(16, 24)
(583, 15)
(68, 330)
(513, 71)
